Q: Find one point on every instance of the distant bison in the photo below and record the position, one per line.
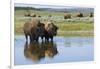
(33, 29)
(33, 15)
(39, 16)
(30, 14)
(67, 16)
(79, 15)
(27, 14)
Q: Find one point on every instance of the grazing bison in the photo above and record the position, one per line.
(39, 16)
(50, 31)
(33, 29)
(79, 15)
(67, 16)
(33, 15)
(27, 14)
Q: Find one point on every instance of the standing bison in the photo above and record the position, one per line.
(50, 31)
(33, 29)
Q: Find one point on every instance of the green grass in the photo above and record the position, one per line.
(70, 27)
(64, 29)
(75, 26)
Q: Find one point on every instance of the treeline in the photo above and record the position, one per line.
(26, 8)
(33, 8)
(83, 10)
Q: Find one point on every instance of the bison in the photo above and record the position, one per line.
(33, 29)
(79, 15)
(67, 16)
(33, 15)
(47, 30)
(50, 31)
(39, 16)
(27, 14)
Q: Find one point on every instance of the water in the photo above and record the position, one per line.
(62, 49)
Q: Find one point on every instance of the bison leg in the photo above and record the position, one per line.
(42, 37)
(47, 39)
(26, 36)
(37, 39)
(31, 38)
(51, 38)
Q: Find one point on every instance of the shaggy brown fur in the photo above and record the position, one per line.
(33, 29)
(50, 31)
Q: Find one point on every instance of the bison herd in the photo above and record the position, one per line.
(35, 29)
(68, 16)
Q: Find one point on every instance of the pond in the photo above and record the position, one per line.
(62, 49)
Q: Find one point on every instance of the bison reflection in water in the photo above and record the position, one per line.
(37, 51)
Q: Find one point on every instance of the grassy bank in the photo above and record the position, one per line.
(70, 27)
(79, 29)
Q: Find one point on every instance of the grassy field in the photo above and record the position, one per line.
(71, 27)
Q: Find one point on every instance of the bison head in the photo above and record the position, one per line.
(51, 28)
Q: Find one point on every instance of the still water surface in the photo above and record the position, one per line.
(62, 49)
